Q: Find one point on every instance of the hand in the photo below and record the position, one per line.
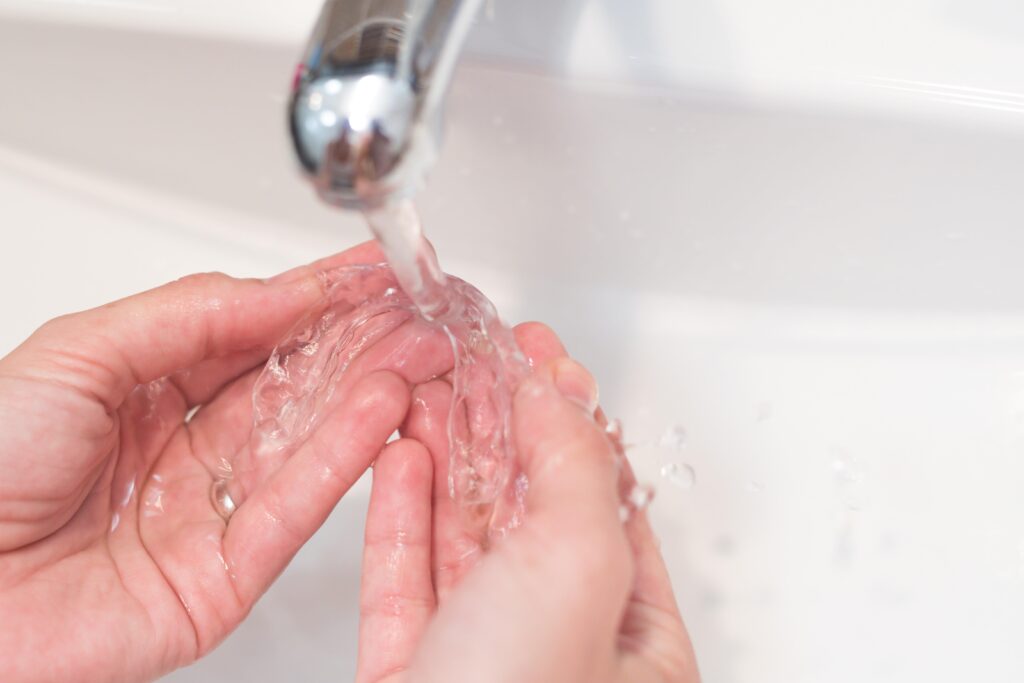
(572, 595)
(114, 564)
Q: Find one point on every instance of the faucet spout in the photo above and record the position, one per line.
(365, 110)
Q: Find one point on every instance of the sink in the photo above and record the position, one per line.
(787, 240)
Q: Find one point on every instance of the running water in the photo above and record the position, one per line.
(399, 232)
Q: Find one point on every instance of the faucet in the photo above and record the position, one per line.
(365, 109)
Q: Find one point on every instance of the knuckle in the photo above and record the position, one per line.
(434, 390)
(395, 604)
(51, 328)
(202, 282)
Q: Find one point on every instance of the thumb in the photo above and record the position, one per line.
(573, 534)
(571, 464)
(104, 352)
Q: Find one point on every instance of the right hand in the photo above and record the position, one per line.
(572, 595)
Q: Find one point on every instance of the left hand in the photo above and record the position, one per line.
(114, 564)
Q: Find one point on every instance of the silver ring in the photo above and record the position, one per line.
(222, 501)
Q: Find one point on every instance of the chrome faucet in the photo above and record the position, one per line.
(365, 111)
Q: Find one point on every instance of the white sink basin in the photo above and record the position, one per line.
(826, 293)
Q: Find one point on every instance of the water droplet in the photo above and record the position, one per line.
(128, 493)
(849, 476)
(679, 475)
(614, 429)
(674, 438)
(847, 468)
(845, 546)
(640, 496)
(154, 501)
(223, 562)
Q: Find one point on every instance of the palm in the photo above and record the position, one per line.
(105, 512)
(145, 535)
(59, 530)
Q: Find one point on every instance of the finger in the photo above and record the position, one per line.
(396, 598)
(222, 428)
(652, 584)
(272, 524)
(457, 540)
(416, 351)
(636, 668)
(105, 352)
(202, 382)
(567, 457)
(573, 500)
(455, 547)
(539, 342)
(221, 431)
(653, 636)
(165, 330)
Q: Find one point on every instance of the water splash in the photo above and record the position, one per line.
(850, 475)
(680, 475)
(674, 438)
(637, 499)
(365, 309)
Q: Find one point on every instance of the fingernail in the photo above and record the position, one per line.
(576, 384)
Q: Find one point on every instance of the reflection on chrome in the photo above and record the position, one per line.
(365, 106)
